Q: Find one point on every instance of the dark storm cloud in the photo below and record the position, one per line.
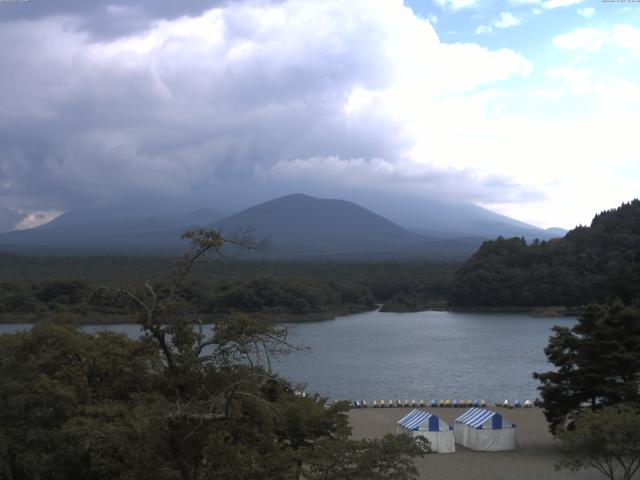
(246, 101)
(107, 18)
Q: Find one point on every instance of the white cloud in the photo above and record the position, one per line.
(507, 20)
(433, 19)
(590, 39)
(211, 99)
(627, 37)
(578, 80)
(587, 12)
(457, 4)
(355, 93)
(552, 4)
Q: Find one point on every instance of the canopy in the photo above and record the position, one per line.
(419, 423)
(478, 417)
(481, 429)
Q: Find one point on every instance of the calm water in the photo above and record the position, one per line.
(426, 355)
(423, 355)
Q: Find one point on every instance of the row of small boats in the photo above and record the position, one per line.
(441, 403)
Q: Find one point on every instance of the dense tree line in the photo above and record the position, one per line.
(590, 264)
(294, 296)
(33, 287)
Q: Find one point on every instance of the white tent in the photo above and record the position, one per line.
(424, 424)
(480, 429)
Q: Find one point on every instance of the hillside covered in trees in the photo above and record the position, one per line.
(590, 264)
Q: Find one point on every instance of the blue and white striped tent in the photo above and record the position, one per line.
(481, 429)
(419, 423)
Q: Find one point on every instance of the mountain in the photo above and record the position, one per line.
(299, 224)
(108, 230)
(9, 219)
(296, 226)
(446, 219)
(588, 264)
(556, 232)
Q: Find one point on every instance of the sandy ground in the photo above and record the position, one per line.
(533, 460)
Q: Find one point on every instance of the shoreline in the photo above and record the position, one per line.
(555, 311)
(127, 319)
(287, 318)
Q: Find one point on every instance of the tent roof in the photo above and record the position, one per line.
(415, 419)
(475, 417)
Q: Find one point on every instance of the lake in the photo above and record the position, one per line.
(423, 355)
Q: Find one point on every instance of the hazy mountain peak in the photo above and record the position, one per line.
(296, 225)
(305, 224)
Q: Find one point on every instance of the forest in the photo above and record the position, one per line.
(590, 264)
(34, 288)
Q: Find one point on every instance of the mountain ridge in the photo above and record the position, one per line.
(298, 226)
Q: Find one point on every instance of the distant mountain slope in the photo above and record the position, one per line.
(104, 230)
(444, 219)
(9, 219)
(589, 264)
(556, 232)
(297, 226)
(303, 225)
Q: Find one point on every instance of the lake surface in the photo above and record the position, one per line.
(424, 355)
(441, 355)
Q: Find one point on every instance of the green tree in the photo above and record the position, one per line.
(389, 457)
(68, 399)
(184, 402)
(598, 363)
(589, 264)
(607, 440)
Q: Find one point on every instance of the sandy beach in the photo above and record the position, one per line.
(533, 460)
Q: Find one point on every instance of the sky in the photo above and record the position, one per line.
(528, 107)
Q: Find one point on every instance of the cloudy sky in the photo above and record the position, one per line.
(528, 107)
